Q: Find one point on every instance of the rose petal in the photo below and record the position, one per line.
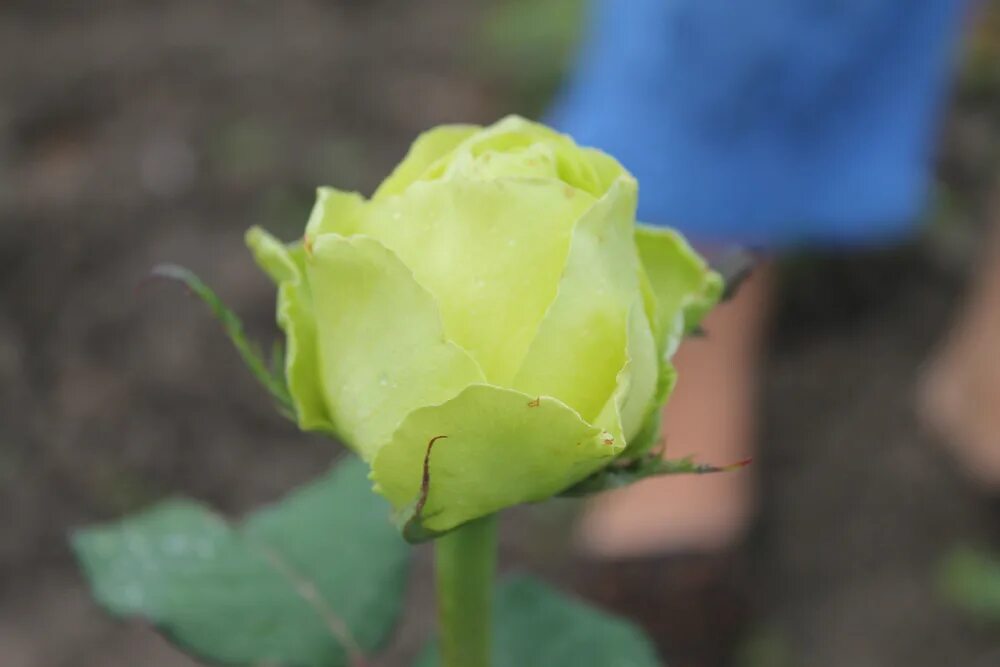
(502, 448)
(580, 348)
(286, 267)
(335, 212)
(491, 253)
(683, 285)
(382, 351)
(425, 151)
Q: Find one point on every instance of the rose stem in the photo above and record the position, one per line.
(466, 564)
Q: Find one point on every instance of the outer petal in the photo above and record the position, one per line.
(286, 267)
(643, 370)
(643, 386)
(383, 352)
(678, 290)
(606, 168)
(491, 253)
(589, 318)
(336, 212)
(502, 448)
(685, 288)
(425, 151)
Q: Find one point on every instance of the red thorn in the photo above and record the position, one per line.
(739, 464)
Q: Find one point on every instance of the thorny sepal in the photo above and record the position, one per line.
(626, 472)
(409, 519)
(735, 266)
(268, 373)
(412, 530)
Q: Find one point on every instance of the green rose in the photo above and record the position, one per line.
(491, 326)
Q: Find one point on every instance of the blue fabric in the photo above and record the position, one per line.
(768, 122)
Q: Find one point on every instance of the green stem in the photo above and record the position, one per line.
(466, 565)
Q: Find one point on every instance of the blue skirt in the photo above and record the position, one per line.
(768, 122)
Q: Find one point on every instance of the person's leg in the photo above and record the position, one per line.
(961, 391)
(710, 416)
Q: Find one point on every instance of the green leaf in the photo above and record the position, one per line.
(624, 473)
(251, 354)
(972, 580)
(536, 626)
(313, 581)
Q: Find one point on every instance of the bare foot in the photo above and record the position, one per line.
(960, 396)
(710, 416)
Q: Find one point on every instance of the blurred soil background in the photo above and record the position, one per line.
(133, 133)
